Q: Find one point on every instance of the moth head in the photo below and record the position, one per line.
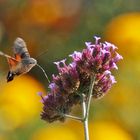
(29, 63)
(32, 61)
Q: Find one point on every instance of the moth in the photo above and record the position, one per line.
(21, 62)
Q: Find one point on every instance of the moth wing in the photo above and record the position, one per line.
(20, 49)
(12, 62)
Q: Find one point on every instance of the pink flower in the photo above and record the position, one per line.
(73, 80)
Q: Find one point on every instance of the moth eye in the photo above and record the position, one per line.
(31, 62)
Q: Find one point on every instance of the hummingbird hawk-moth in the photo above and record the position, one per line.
(21, 63)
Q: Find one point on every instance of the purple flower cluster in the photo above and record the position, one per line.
(73, 80)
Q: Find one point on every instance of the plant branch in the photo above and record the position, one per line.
(73, 117)
(86, 107)
(85, 120)
(89, 96)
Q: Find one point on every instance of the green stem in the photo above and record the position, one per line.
(86, 108)
(89, 96)
(85, 120)
(73, 117)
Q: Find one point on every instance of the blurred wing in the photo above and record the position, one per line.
(20, 49)
(12, 62)
(5, 55)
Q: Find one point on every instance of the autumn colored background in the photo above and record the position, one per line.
(53, 29)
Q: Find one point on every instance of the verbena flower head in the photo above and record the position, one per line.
(73, 80)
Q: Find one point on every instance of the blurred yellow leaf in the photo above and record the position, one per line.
(76, 127)
(100, 130)
(124, 31)
(19, 102)
(108, 131)
(55, 132)
(123, 100)
(2, 137)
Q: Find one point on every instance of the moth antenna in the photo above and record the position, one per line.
(44, 72)
(42, 53)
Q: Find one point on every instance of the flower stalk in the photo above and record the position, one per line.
(89, 96)
(85, 119)
(86, 108)
(73, 117)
